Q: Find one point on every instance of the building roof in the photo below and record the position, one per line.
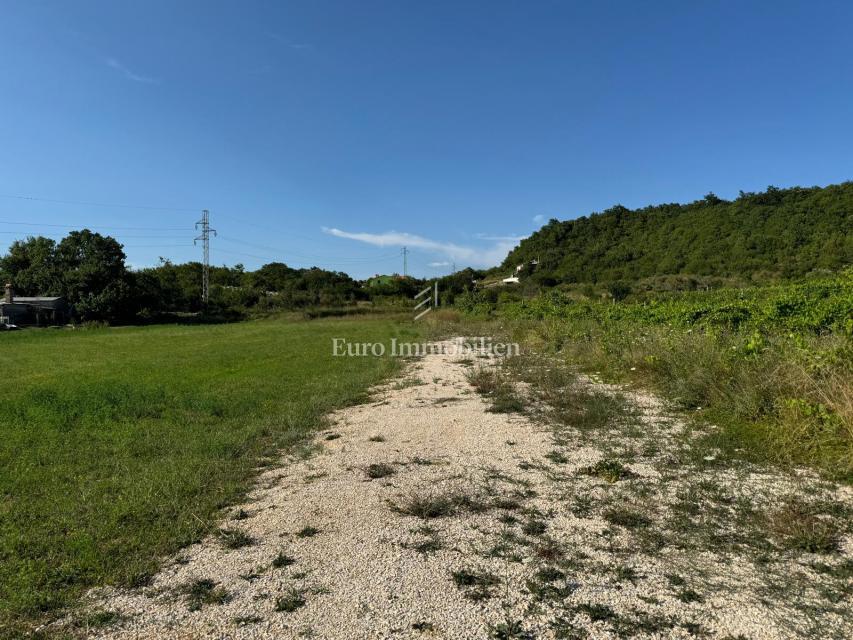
(32, 299)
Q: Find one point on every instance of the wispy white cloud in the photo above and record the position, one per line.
(487, 256)
(539, 218)
(484, 236)
(437, 265)
(127, 73)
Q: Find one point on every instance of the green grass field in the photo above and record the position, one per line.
(118, 446)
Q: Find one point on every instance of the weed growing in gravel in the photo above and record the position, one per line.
(596, 612)
(507, 504)
(241, 514)
(235, 538)
(290, 601)
(333, 436)
(428, 506)
(534, 527)
(628, 518)
(282, 560)
(508, 519)
(475, 585)
(99, 619)
(377, 438)
(307, 532)
(556, 457)
(204, 591)
(496, 385)
(549, 550)
(542, 590)
(510, 629)
(430, 544)
(243, 621)
(405, 383)
(801, 527)
(688, 595)
(582, 506)
(842, 571)
(609, 470)
(625, 573)
(423, 626)
(437, 505)
(379, 470)
(251, 575)
(506, 403)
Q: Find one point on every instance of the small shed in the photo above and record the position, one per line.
(33, 311)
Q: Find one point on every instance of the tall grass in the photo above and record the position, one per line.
(118, 446)
(772, 367)
(784, 398)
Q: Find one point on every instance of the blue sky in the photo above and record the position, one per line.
(330, 133)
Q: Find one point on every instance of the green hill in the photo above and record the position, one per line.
(777, 234)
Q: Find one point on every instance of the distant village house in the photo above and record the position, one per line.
(37, 311)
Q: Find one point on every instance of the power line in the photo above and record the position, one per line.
(97, 204)
(84, 226)
(279, 250)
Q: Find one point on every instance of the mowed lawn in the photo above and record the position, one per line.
(117, 446)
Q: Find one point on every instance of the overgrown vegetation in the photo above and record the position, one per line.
(772, 366)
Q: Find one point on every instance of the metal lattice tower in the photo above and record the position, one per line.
(204, 223)
(405, 253)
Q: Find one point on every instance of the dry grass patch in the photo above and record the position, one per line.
(799, 526)
(379, 470)
(235, 538)
(203, 592)
(290, 601)
(609, 470)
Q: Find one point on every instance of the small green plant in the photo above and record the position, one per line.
(282, 560)
(405, 383)
(379, 470)
(437, 505)
(688, 596)
(307, 532)
(534, 527)
(556, 457)
(204, 591)
(624, 573)
(98, 619)
(628, 518)
(290, 601)
(510, 629)
(235, 538)
(596, 612)
(475, 585)
(609, 470)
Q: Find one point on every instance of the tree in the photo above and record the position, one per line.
(31, 267)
